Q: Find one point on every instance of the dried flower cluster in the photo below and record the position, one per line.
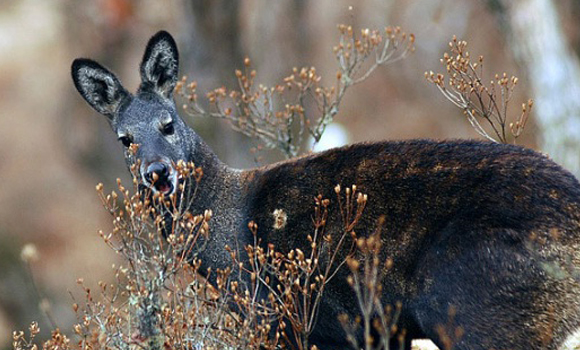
(57, 341)
(20, 342)
(449, 333)
(464, 87)
(367, 272)
(281, 116)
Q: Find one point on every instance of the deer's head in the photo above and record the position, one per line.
(148, 120)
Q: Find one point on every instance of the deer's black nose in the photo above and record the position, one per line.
(159, 169)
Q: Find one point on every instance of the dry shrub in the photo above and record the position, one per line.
(281, 116)
(465, 88)
(159, 301)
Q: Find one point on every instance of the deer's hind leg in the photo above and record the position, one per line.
(491, 293)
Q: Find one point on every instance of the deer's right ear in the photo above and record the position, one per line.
(99, 87)
(160, 64)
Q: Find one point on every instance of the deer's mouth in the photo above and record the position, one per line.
(162, 179)
(164, 186)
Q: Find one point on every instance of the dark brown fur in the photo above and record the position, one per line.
(458, 220)
(459, 217)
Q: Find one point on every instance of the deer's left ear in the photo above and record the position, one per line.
(160, 64)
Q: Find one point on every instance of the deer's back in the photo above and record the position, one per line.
(419, 187)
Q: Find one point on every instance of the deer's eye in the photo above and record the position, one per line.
(168, 129)
(126, 140)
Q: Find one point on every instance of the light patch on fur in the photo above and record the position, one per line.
(572, 341)
(280, 219)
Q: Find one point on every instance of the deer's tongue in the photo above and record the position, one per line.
(163, 185)
(164, 188)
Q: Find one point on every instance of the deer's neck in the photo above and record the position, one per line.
(219, 190)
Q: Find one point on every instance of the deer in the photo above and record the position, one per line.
(474, 225)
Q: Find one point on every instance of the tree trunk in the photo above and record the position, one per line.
(539, 46)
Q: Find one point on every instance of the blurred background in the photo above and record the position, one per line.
(54, 149)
